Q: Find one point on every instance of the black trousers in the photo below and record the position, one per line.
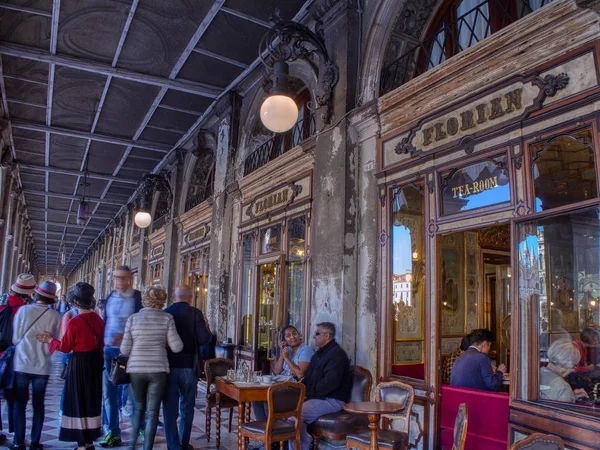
(148, 390)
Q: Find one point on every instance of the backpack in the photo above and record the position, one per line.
(6, 328)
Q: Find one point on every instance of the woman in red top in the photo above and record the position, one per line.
(82, 406)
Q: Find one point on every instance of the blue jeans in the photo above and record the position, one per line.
(181, 390)
(38, 392)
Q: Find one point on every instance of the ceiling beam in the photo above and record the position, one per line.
(181, 110)
(32, 53)
(62, 211)
(74, 197)
(25, 9)
(63, 224)
(247, 17)
(23, 102)
(25, 79)
(32, 126)
(58, 233)
(95, 175)
(233, 62)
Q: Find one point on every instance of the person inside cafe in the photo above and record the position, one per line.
(449, 361)
(328, 381)
(473, 369)
(562, 359)
(293, 361)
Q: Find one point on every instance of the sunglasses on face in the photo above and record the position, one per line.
(318, 333)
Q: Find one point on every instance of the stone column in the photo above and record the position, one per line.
(172, 227)
(335, 203)
(221, 292)
(18, 241)
(5, 282)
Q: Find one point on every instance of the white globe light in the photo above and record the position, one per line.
(143, 219)
(279, 113)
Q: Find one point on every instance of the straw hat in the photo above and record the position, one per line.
(47, 290)
(24, 285)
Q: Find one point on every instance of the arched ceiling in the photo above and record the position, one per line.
(120, 83)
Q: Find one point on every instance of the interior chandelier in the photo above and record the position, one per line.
(287, 42)
(149, 184)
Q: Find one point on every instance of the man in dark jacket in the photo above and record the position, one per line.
(328, 380)
(182, 382)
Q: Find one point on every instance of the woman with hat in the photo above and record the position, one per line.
(32, 362)
(82, 405)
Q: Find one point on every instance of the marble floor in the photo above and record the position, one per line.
(52, 422)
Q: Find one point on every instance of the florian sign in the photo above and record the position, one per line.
(278, 199)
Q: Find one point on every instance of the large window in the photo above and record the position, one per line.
(408, 281)
(296, 272)
(559, 280)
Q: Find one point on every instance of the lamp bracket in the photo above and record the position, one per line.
(289, 41)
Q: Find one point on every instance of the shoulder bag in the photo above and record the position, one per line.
(7, 368)
(118, 370)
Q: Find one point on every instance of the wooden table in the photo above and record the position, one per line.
(373, 410)
(243, 393)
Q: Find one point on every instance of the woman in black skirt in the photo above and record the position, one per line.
(82, 408)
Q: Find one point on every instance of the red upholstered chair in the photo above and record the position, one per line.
(213, 368)
(460, 427)
(539, 441)
(336, 426)
(390, 391)
(285, 401)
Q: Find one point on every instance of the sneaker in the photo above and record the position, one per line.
(142, 435)
(110, 440)
(159, 424)
(17, 447)
(36, 447)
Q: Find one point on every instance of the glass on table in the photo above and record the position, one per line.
(231, 374)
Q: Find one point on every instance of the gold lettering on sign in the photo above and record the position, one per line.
(271, 201)
(479, 114)
(475, 187)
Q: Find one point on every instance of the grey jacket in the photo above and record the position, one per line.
(147, 334)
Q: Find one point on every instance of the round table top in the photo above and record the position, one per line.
(373, 407)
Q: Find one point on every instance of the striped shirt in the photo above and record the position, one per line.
(146, 337)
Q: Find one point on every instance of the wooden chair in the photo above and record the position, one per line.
(460, 427)
(284, 401)
(336, 426)
(391, 391)
(213, 368)
(539, 441)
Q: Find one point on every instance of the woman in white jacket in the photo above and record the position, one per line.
(147, 334)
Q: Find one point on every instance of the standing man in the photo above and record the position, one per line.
(328, 381)
(120, 304)
(182, 383)
(32, 362)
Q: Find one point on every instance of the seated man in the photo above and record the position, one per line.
(473, 369)
(449, 361)
(327, 379)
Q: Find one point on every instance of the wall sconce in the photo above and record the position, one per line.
(146, 188)
(287, 42)
(82, 208)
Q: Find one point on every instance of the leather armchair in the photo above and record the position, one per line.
(539, 441)
(213, 368)
(336, 426)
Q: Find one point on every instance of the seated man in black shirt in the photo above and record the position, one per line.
(328, 380)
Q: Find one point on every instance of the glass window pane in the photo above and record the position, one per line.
(247, 331)
(270, 240)
(483, 184)
(437, 54)
(268, 308)
(296, 271)
(407, 283)
(473, 23)
(559, 277)
(563, 169)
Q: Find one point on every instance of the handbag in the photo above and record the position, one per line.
(118, 370)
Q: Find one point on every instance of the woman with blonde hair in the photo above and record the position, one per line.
(147, 334)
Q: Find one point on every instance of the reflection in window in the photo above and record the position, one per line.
(247, 331)
(296, 271)
(270, 240)
(483, 184)
(559, 272)
(563, 170)
(407, 281)
(268, 308)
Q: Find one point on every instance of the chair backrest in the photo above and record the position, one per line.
(361, 384)
(285, 400)
(216, 367)
(397, 392)
(539, 441)
(460, 427)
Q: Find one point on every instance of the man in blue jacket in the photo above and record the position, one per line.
(120, 304)
(473, 369)
(328, 380)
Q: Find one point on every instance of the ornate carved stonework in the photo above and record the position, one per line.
(521, 209)
(414, 17)
(518, 161)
